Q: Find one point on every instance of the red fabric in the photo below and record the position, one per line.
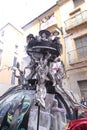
(80, 124)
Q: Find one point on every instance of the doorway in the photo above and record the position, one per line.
(83, 87)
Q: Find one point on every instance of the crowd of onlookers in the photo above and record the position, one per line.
(83, 102)
(81, 109)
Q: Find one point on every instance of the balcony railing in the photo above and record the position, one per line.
(77, 20)
(77, 55)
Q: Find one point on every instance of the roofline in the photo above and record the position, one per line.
(39, 16)
(12, 26)
(61, 2)
(58, 3)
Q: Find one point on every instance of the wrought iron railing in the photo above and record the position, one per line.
(77, 55)
(76, 20)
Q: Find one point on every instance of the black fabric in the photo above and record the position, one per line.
(57, 47)
(44, 31)
(31, 44)
(61, 98)
(49, 87)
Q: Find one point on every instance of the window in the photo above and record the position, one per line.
(78, 2)
(81, 46)
(16, 46)
(45, 19)
(48, 21)
(16, 49)
(76, 18)
(83, 87)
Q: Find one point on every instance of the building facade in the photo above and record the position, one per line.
(71, 17)
(10, 42)
(74, 21)
(49, 20)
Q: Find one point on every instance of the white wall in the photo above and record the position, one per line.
(4, 88)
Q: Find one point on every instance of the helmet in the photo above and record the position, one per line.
(44, 31)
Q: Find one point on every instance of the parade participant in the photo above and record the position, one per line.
(56, 42)
(29, 38)
(55, 36)
(44, 35)
(59, 116)
(30, 41)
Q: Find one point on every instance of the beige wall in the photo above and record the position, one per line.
(33, 28)
(11, 38)
(75, 72)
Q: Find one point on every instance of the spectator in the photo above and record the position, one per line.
(83, 101)
(83, 112)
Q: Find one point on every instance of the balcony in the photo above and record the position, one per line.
(76, 21)
(78, 55)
